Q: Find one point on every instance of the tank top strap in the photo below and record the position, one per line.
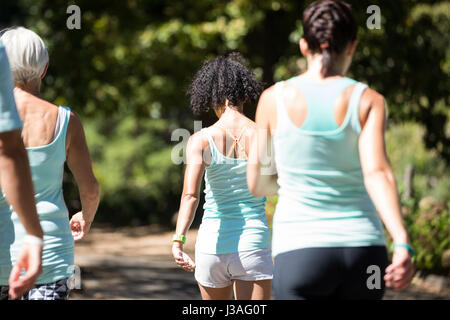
(212, 146)
(283, 120)
(236, 139)
(66, 121)
(64, 114)
(354, 106)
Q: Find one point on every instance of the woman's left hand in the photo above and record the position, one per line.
(79, 226)
(181, 258)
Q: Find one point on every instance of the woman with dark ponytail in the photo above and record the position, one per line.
(332, 172)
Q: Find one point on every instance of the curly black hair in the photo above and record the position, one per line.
(221, 78)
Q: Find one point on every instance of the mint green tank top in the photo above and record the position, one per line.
(322, 198)
(9, 117)
(233, 219)
(47, 167)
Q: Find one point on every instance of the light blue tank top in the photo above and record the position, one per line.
(47, 167)
(9, 117)
(233, 219)
(322, 198)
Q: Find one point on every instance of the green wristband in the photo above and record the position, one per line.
(179, 237)
(404, 245)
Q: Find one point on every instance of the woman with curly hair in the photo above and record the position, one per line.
(232, 251)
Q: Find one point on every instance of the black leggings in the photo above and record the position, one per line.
(330, 273)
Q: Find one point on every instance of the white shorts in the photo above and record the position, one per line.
(218, 270)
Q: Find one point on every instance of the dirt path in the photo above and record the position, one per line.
(132, 263)
(136, 263)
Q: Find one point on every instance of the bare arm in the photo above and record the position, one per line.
(195, 168)
(80, 164)
(16, 181)
(378, 177)
(261, 170)
(381, 186)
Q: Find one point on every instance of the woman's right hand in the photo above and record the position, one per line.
(79, 226)
(400, 273)
(181, 258)
(30, 259)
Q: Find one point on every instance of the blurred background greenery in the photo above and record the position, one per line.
(127, 69)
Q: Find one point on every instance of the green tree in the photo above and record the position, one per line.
(127, 69)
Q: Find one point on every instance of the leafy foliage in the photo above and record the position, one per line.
(127, 70)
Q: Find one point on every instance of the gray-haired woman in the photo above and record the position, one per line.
(51, 134)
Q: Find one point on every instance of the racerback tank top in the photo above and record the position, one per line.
(322, 198)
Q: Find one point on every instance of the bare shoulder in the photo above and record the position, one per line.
(197, 141)
(75, 124)
(31, 104)
(266, 105)
(266, 114)
(372, 103)
(267, 98)
(372, 99)
(75, 117)
(75, 133)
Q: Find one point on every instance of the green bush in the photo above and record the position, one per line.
(404, 144)
(427, 212)
(428, 225)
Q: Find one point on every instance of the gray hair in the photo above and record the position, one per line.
(27, 54)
